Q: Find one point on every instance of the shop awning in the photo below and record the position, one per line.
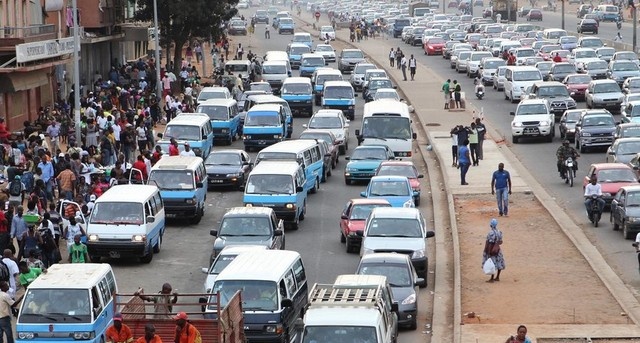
(19, 81)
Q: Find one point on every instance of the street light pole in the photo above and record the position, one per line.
(635, 29)
(76, 72)
(157, 52)
(562, 1)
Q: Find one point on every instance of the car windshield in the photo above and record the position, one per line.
(215, 112)
(634, 83)
(391, 170)
(586, 54)
(274, 69)
(628, 148)
(388, 188)
(398, 274)
(626, 55)
(352, 54)
(386, 95)
(259, 86)
(372, 74)
(494, 64)
(544, 67)
(361, 69)
(631, 131)
(633, 199)
(261, 119)
(606, 51)
(597, 65)
(553, 91)
(464, 55)
(223, 159)
(327, 77)
(563, 69)
(573, 116)
(245, 226)
(287, 21)
(117, 213)
(588, 43)
(256, 295)
(313, 62)
(532, 109)
(299, 50)
(548, 48)
(386, 127)
(236, 67)
(269, 184)
(598, 120)
(342, 333)
(325, 123)
(394, 227)
(366, 153)
(172, 179)
(221, 262)
(526, 53)
(296, 88)
(609, 87)
(321, 48)
(317, 135)
(339, 92)
(361, 212)
(48, 306)
(380, 84)
(302, 38)
(182, 132)
(624, 66)
(435, 41)
(568, 39)
(616, 175)
(578, 79)
(531, 75)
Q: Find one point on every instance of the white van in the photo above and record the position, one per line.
(276, 55)
(77, 299)
(275, 72)
(126, 221)
(553, 35)
(214, 93)
(518, 79)
(241, 67)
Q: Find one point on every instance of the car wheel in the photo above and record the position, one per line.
(616, 227)
(156, 248)
(512, 99)
(625, 231)
(343, 239)
(515, 139)
(304, 211)
(316, 187)
(324, 173)
(414, 324)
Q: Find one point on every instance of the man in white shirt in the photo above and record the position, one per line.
(187, 151)
(403, 66)
(412, 66)
(13, 270)
(593, 188)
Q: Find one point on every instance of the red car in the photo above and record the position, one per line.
(406, 169)
(434, 46)
(353, 216)
(545, 51)
(611, 177)
(534, 14)
(577, 84)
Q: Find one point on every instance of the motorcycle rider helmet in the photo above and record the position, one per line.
(565, 142)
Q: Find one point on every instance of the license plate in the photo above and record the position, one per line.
(170, 215)
(114, 254)
(215, 181)
(262, 142)
(601, 139)
(531, 131)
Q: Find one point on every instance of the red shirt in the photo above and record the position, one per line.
(3, 225)
(3, 131)
(557, 58)
(173, 150)
(140, 165)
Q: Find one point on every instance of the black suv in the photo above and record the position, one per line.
(560, 70)
(261, 16)
(595, 128)
(556, 93)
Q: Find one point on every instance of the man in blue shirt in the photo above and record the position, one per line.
(18, 225)
(501, 187)
(464, 161)
(47, 175)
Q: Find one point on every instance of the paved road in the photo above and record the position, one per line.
(187, 248)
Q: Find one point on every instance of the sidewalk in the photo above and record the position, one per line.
(437, 123)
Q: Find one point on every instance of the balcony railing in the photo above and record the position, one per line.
(28, 33)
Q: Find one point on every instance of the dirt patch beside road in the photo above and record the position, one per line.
(546, 280)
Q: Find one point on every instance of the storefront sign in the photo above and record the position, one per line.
(35, 51)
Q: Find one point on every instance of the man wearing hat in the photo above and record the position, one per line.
(185, 332)
(118, 332)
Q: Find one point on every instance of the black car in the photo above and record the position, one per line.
(588, 25)
(625, 211)
(568, 124)
(561, 70)
(261, 16)
(594, 129)
(229, 167)
(375, 84)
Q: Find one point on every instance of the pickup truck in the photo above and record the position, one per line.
(227, 326)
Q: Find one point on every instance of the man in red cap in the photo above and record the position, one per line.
(185, 332)
(118, 332)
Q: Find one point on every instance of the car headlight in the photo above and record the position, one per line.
(26, 335)
(139, 238)
(409, 204)
(82, 335)
(572, 103)
(277, 329)
(418, 254)
(276, 136)
(351, 107)
(225, 130)
(192, 201)
(515, 124)
(366, 251)
(233, 175)
(246, 137)
(585, 134)
(633, 219)
(93, 238)
(409, 300)
(544, 123)
(290, 206)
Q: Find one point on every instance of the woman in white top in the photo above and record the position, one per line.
(72, 230)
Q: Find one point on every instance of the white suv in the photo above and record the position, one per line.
(533, 118)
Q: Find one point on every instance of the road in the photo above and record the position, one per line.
(187, 248)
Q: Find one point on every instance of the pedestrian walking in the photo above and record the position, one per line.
(412, 66)
(240, 51)
(392, 57)
(457, 93)
(78, 252)
(464, 161)
(399, 55)
(493, 250)
(403, 65)
(454, 146)
(267, 35)
(482, 131)
(7, 306)
(447, 93)
(473, 144)
(618, 37)
(501, 188)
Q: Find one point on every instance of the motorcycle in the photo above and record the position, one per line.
(479, 92)
(569, 173)
(594, 210)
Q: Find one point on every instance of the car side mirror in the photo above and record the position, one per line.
(289, 73)
(355, 95)
(160, 135)
(151, 219)
(430, 234)
(299, 189)
(305, 126)
(213, 233)
(414, 136)
(512, 113)
(420, 176)
(286, 303)
(359, 233)
(363, 194)
(199, 185)
(611, 152)
(277, 233)
(395, 87)
(636, 167)
(420, 282)
(205, 270)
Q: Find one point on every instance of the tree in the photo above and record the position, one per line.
(180, 21)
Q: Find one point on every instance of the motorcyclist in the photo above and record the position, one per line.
(565, 151)
(479, 86)
(593, 188)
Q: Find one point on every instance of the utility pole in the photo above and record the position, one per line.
(76, 72)
(562, 13)
(159, 96)
(635, 29)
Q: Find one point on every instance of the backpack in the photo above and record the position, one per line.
(5, 275)
(15, 189)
